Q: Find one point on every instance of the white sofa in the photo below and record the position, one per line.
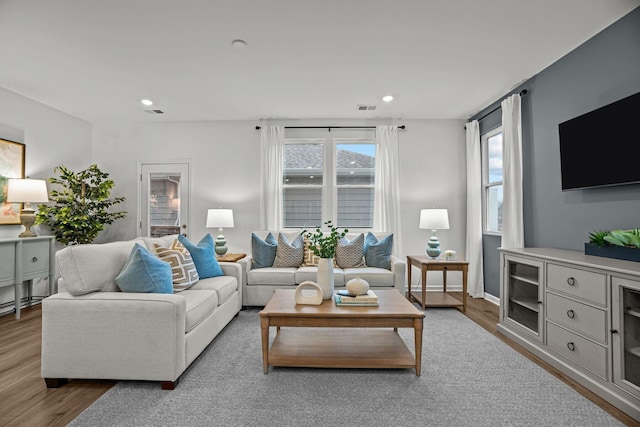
(91, 330)
(260, 283)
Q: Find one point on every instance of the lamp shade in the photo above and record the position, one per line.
(27, 191)
(434, 219)
(219, 218)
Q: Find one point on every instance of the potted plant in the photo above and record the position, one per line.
(323, 244)
(80, 209)
(619, 244)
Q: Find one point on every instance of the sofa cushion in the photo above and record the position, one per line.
(377, 253)
(200, 304)
(375, 276)
(144, 272)
(263, 251)
(350, 254)
(304, 274)
(92, 267)
(309, 259)
(224, 286)
(203, 255)
(289, 254)
(272, 276)
(183, 269)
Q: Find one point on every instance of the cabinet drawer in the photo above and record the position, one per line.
(580, 317)
(8, 264)
(35, 257)
(581, 283)
(587, 354)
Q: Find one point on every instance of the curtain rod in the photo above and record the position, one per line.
(523, 92)
(331, 127)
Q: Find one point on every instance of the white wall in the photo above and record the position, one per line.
(225, 172)
(51, 138)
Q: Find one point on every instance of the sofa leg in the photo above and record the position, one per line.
(55, 382)
(169, 385)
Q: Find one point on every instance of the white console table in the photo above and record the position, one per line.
(26, 259)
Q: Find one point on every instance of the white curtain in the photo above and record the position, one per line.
(474, 211)
(271, 147)
(386, 200)
(512, 221)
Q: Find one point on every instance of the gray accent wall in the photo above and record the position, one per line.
(602, 70)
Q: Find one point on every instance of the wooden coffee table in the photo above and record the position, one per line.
(341, 346)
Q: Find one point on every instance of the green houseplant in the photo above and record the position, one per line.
(80, 208)
(324, 244)
(620, 244)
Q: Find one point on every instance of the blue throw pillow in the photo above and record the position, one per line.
(204, 256)
(264, 251)
(144, 272)
(377, 253)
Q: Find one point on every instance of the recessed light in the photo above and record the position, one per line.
(387, 98)
(146, 102)
(239, 44)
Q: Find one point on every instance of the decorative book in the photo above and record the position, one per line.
(369, 299)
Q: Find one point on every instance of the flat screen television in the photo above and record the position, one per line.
(602, 147)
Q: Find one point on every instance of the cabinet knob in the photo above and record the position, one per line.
(614, 331)
(571, 314)
(34, 259)
(571, 281)
(571, 346)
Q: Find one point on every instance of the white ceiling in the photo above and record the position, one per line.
(95, 59)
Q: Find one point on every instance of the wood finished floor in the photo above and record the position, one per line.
(25, 401)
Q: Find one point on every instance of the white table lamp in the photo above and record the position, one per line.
(220, 218)
(434, 219)
(27, 191)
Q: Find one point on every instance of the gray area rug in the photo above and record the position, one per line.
(469, 378)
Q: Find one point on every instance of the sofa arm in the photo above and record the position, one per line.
(114, 335)
(237, 270)
(399, 268)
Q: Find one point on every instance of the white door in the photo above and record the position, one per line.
(163, 199)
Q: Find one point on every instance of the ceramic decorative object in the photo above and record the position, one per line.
(449, 254)
(325, 277)
(308, 298)
(357, 286)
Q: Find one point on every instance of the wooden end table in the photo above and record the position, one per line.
(437, 299)
(231, 257)
(341, 346)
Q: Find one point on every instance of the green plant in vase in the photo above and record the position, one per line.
(80, 208)
(324, 244)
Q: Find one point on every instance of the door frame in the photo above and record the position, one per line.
(140, 164)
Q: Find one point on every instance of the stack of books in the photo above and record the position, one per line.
(370, 299)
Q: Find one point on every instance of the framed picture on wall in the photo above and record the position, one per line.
(11, 166)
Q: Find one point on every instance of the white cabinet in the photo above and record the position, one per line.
(579, 313)
(26, 259)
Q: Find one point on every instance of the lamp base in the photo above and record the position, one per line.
(433, 247)
(28, 218)
(220, 245)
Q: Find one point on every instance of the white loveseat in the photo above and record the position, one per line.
(92, 330)
(261, 282)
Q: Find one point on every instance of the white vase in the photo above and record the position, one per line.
(325, 277)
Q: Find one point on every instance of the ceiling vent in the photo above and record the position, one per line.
(154, 111)
(366, 107)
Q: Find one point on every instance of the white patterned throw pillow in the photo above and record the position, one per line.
(289, 254)
(350, 254)
(183, 269)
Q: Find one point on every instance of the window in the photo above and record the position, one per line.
(492, 181)
(328, 179)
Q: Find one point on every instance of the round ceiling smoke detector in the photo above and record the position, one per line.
(387, 98)
(239, 44)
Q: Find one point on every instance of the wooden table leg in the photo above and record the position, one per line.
(464, 289)
(264, 328)
(417, 337)
(444, 280)
(409, 279)
(424, 286)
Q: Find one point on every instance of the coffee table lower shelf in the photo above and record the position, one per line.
(347, 348)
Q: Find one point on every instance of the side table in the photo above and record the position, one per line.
(231, 257)
(437, 299)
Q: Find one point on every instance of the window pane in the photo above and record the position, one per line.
(494, 208)
(355, 207)
(302, 207)
(302, 164)
(495, 158)
(355, 164)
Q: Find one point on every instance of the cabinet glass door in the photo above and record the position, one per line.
(626, 334)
